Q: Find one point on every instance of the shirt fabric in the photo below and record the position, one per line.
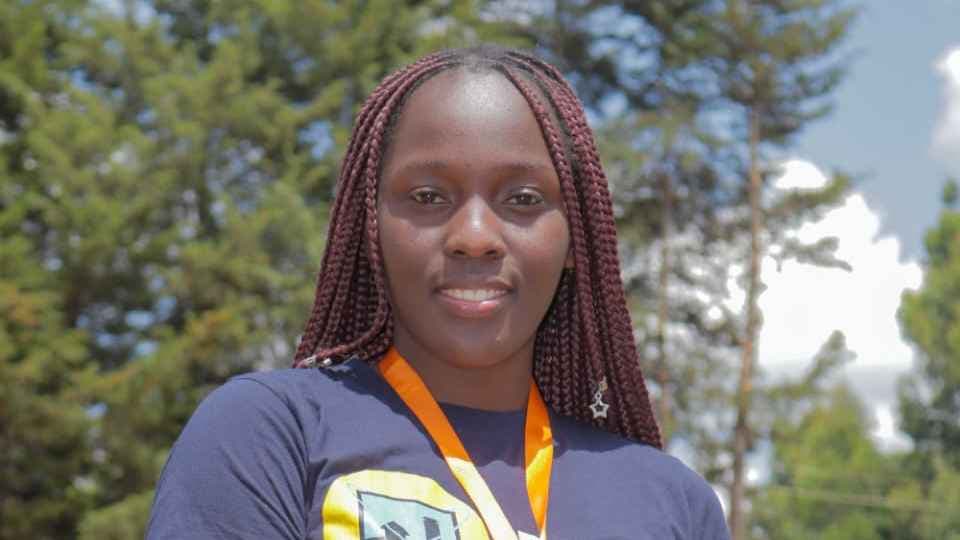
(334, 453)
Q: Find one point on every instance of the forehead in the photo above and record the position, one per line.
(467, 118)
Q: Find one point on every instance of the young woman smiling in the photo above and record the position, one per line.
(470, 367)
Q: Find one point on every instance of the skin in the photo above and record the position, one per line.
(469, 199)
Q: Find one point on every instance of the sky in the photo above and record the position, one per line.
(896, 127)
(887, 112)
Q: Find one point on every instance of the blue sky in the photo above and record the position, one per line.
(886, 113)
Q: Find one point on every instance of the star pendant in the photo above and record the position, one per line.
(599, 408)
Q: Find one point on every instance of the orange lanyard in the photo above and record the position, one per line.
(538, 447)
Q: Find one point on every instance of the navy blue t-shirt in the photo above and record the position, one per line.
(335, 453)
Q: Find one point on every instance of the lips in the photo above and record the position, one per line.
(473, 295)
(473, 302)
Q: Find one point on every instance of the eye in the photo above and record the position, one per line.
(427, 196)
(525, 198)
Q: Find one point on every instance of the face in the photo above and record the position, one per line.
(472, 229)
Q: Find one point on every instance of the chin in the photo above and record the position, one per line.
(481, 355)
(470, 359)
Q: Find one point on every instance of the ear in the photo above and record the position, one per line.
(569, 262)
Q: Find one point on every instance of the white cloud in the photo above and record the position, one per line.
(803, 304)
(800, 174)
(946, 137)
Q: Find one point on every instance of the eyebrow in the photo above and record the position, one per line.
(510, 166)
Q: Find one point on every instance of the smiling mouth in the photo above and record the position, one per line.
(473, 295)
(473, 303)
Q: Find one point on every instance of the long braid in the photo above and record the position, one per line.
(319, 337)
(591, 329)
(349, 174)
(622, 371)
(586, 334)
(620, 366)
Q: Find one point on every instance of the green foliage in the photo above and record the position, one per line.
(829, 479)
(944, 492)
(949, 194)
(930, 318)
(45, 456)
(828, 475)
(778, 59)
(165, 174)
(45, 450)
(122, 521)
(930, 396)
(776, 67)
(689, 99)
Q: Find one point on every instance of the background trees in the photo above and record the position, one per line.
(930, 397)
(165, 173)
(166, 170)
(930, 401)
(775, 69)
(45, 455)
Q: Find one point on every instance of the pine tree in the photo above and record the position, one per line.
(246, 116)
(930, 395)
(45, 452)
(167, 168)
(828, 479)
(776, 68)
(639, 68)
(930, 318)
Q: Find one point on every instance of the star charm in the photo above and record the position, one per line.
(599, 408)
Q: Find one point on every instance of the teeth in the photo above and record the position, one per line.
(474, 295)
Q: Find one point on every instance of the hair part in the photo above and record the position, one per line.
(586, 335)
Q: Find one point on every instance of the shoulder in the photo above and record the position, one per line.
(240, 466)
(297, 389)
(283, 402)
(248, 407)
(634, 470)
(616, 451)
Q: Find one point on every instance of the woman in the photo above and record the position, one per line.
(471, 366)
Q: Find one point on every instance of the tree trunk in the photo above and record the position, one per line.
(663, 374)
(741, 436)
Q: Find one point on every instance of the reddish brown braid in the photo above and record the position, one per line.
(586, 335)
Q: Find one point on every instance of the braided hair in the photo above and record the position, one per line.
(586, 336)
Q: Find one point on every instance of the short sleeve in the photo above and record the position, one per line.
(237, 471)
(709, 520)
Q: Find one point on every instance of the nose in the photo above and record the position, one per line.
(475, 231)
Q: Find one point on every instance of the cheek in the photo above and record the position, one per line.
(394, 245)
(407, 251)
(546, 249)
(554, 239)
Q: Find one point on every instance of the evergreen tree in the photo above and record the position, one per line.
(776, 68)
(828, 478)
(668, 197)
(692, 101)
(930, 318)
(930, 396)
(640, 70)
(166, 172)
(45, 452)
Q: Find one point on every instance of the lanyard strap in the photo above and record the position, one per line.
(538, 447)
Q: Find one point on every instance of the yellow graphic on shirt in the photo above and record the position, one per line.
(390, 505)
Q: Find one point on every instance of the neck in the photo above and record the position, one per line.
(489, 385)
